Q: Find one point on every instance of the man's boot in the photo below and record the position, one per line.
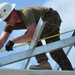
(44, 65)
(42, 59)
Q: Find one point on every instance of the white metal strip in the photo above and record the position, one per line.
(34, 41)
(37, 33)
(38, 50)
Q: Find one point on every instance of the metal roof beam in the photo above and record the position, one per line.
(27, 54)
(36, 36)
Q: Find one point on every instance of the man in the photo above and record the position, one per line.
(27, 18)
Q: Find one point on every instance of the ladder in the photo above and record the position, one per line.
(32, 51)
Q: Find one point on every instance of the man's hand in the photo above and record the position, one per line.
(9, 45)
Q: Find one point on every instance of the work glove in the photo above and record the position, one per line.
(9, 46)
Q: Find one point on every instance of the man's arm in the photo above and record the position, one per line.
(3, 38)
(26, 37)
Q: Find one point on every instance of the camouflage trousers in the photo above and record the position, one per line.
(53, 22)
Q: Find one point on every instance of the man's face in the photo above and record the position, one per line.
(10, 20)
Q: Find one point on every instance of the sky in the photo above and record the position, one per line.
(67, 12)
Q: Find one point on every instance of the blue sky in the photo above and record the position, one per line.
(67, 12)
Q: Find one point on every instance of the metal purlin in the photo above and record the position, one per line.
(42, 39)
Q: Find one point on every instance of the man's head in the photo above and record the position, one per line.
(5, 10)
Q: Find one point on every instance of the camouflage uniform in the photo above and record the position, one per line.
(31, 15)
(51, 28)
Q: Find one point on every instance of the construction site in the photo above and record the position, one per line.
(33, 50)
(17, 59)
